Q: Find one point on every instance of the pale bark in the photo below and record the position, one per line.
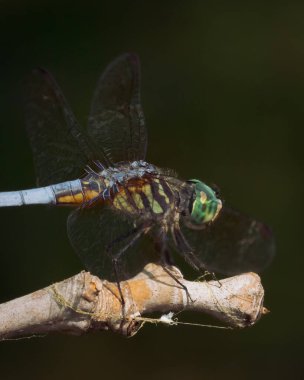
(86, 303)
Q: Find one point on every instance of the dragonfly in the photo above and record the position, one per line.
(120, 200)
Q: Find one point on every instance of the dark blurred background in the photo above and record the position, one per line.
(223, 94)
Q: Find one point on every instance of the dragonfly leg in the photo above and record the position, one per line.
(189, 255)
(121, 238)
(160, 244)
(122, 300)
(184, 287)
(186, 251)
(212, 275)
(166, 259)
(136, 232)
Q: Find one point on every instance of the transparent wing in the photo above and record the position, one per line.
(60, 147)
(98, 233)
(233, 244)
(116, 119)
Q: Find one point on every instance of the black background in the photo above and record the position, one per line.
(223, 92)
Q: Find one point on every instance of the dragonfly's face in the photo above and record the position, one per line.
(204, 207)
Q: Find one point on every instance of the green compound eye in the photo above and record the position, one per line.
(206, 206)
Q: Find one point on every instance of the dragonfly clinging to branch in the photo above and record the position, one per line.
(119, 197)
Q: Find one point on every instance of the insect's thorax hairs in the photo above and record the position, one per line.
(135, 188)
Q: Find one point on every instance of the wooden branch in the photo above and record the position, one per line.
(84, 303)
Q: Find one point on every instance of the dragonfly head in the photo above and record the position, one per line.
(204, 206)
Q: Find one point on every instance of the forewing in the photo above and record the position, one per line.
(116, 120)
(60, 147)
(97, 234)
(233, 244)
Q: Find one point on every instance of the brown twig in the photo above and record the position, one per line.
(84, 303)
